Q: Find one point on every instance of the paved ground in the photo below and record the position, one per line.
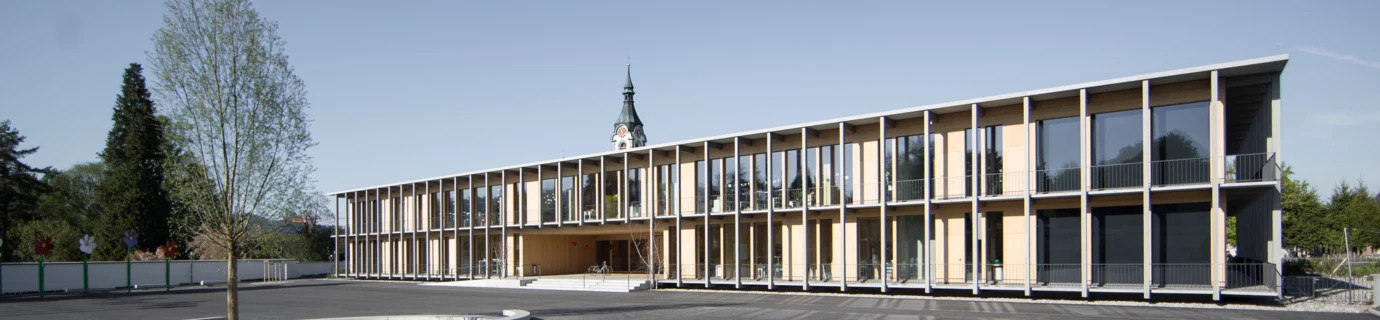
(329, 298)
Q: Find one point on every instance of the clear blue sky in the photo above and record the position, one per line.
(407, 90)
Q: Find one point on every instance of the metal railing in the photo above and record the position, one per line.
(635, 209)
(1251, 167)
(1004, 184)
(1115, 176)
(1180, 171)
(866, 193)
(905, 273)
(1106, 275)
(1057, 180)
(1252, 277)
(1181, 275)
(955, 187)
(909, 190)
(1058, 275)
(953, 273)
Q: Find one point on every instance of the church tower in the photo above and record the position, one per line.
(627, 130)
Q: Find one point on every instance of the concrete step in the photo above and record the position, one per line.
(585, 285)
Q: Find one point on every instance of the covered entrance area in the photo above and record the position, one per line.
(553, 251)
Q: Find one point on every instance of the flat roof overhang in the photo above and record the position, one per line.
(1263, 65)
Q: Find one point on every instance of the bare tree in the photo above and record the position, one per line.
(239, 113)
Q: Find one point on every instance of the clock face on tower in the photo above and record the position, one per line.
(622, 132)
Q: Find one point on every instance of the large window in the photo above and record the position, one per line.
(744, 182)
(548, 200)
(634, 187)
(610, 196)
(759, 181)
(776, 173)
(495, 205)
(794, 184)
(465, 206)
(588, 192)
(481, 208)
(1117, 150)
(828, 175)
(811, 165)
(968, 162)
(450, 209)
(910, 167)
(567, 199)
(992, 162)
(701, 180)
(1056, 155)
(716, 177)
(847, 179)
(1180, 151)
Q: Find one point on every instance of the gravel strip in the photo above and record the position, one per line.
(1301, 307)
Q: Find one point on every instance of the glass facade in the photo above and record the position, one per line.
(1116, 150)
(1056, 155)
(1179, 154)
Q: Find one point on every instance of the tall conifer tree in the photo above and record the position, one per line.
(132, 194)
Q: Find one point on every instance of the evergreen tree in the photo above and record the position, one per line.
(132, 194)
(20, 186)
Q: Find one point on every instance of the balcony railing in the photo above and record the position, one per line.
(1251, 167)
(1004, 184)
(908, 190)
(1116, 176)
(954, 187)
(1117, 274)
(1180, 171)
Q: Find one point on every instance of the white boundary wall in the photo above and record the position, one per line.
(23, 277)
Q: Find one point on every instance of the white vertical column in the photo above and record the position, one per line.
(469, 231)
(412, 230)
(975, 190)
(599, 185)
(737, 218)
(503, 223)
(488, 239)
(882, 187)
(431, 206)
(392, 241)
(1085, 213)
(1276, 215)
(651, 220)
(805, 202)
(455, 228)
(1218, 224)
(579, 190)
(560, 197)
(377, 208)
(843, 211)
(771, 211)
(1028, 167)
(541, 215)
(680, 254)
(335, 238)
(625, 195)
(708, 277)
(929, 217)
(1146, 163)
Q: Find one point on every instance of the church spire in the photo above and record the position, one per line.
(627, 130)
(629, 115)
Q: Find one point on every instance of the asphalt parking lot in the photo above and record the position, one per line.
(332, 298)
